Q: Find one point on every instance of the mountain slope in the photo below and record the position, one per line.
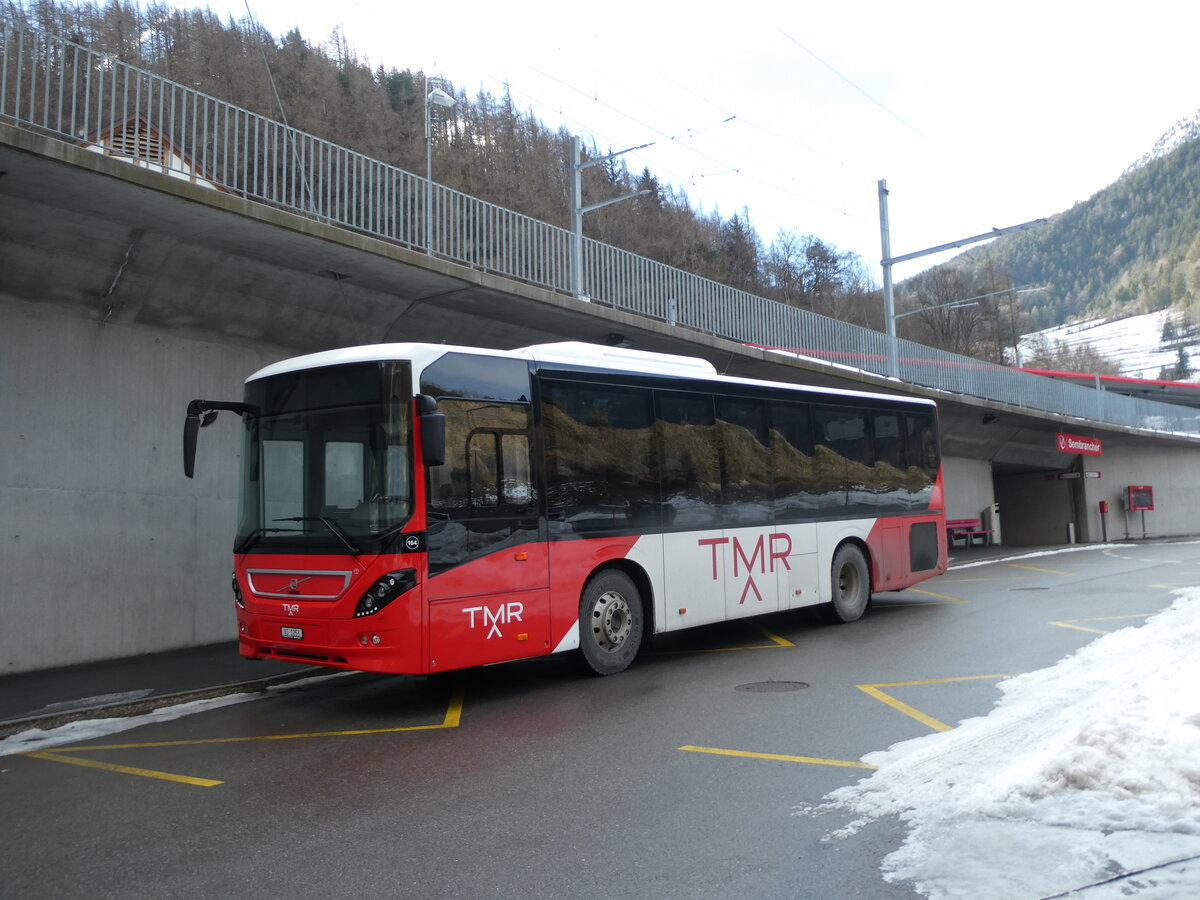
(1133, 247)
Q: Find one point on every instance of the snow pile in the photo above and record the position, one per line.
(37, 739)
(1083, 773)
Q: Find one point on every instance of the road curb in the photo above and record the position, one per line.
(142, 705)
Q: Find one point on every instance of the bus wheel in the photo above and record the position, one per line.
(610, 622)
(851, 584)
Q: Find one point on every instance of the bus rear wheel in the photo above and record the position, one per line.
(851, 584)
(611, 622)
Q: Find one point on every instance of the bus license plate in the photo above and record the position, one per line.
(295, 634)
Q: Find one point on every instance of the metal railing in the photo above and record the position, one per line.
(53, 86)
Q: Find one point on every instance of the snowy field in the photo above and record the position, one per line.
(1134, 342)
(1083, 781)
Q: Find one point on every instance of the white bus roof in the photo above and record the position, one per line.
(574, 353)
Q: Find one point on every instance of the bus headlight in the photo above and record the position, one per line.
(237, 592)
(384, 591)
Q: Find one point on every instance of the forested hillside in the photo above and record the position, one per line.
(1133, 247)
(487, 148)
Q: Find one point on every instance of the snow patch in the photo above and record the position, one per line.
(1083, 773)
(1134, 342)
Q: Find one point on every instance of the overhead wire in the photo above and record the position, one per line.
(852, 84)
(306, 186)
(727, 167)
(721, 162)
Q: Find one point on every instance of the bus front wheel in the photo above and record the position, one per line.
(611, 621)
(851, 584)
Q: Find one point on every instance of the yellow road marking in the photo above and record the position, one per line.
(945, 579)
(811, 760)
(776, 641)
(1081, 628)
(451, 720)
(873, 690)
(941, 596)
(125, 770)
(1036, 569)
(782, 642)
(1070, 623)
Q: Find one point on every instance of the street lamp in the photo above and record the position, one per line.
(436, 97)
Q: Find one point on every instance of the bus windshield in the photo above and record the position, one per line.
(327, 460)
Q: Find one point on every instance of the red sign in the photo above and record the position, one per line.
(1141, 496)
(1076, 443)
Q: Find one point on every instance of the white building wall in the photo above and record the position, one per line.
(968, 484)
(1174, 474)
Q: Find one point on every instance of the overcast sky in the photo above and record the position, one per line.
(977, 115)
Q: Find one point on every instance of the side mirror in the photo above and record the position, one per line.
(433, 431)
(201, 414)
(191, 430)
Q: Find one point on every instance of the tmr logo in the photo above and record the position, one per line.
(504, 614)
(761, 558)
(292, 609)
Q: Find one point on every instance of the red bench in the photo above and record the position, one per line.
(969, 530)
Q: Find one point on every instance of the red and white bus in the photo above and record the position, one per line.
(417, 508)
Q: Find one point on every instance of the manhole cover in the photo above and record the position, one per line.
(771, 687)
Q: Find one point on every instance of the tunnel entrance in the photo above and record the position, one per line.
(1036, 506)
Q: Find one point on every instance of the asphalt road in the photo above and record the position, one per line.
(683, 777)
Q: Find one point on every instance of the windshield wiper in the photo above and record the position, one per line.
(248, 541)
(333, 527)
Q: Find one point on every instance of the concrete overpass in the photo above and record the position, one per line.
(125, 293)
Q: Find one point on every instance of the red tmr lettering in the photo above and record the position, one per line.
(713, 542)
(783, 554)
(504, 614)
(759, 555)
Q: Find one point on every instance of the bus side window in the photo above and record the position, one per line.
(793, 472)
(888, 472)
(516, 479)
(920, 439)
(839, 435)
(483, 465)
(487, 459)
(499, 470)
(746, 460)
(600, 464)
(691, 466)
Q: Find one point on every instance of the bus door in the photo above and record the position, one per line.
(488, 584)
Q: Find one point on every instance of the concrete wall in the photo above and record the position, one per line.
(106, 549)
(1171, 471)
